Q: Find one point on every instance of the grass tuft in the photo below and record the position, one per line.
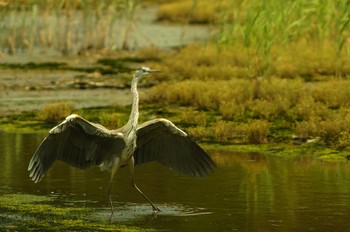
(54, 112)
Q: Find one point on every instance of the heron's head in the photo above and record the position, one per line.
(144, 71)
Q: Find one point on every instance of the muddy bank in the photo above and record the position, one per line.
(17, 101)
(27, 86)
(32, 78)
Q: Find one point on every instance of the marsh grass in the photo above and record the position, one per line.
(305, 109)
(275, 65)
(113, 120)
(254, 131)
(285, 38)
(222, 62)
(65, 26)
(332, 130)
(198, 118)
(250, 132)
(282, 65)
(54, 112)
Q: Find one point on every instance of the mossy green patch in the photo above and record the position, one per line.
(24, 122)
(37, 213)
(285, 150)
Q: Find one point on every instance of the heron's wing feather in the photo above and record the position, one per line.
(160, 140)
(43, 158)
(77, 142)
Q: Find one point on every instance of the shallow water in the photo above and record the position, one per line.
(247, 192)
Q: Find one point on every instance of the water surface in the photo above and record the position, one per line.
(248, 192)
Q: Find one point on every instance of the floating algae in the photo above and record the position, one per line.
(23, 212)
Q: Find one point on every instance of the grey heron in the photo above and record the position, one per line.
(84, 144)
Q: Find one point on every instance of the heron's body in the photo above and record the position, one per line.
(84, 144)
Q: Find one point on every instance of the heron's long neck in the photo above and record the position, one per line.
(134, 115)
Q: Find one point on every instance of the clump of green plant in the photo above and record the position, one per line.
(224, 131)
(200, 132)
(54, 112)
(254, 131)
(232, 110)
(113, 120)
(251, 132)
(332, 130)
(194, 117)
(344, 139)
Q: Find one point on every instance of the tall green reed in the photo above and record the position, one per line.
(260, 26)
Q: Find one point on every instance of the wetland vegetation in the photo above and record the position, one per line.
(273, 78)
(275, 72)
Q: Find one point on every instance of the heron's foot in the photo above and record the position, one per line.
(155, 209)
(111, 217)
(112, 213)
(110, 198)
(112, 209)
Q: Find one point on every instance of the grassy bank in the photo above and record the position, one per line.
(205, 127)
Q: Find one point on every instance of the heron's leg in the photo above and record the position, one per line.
(114, 170)
(132, 165)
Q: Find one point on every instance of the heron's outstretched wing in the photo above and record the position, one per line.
(160, 140)
(77, 142)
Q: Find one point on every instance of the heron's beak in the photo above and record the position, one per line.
(153, 70)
